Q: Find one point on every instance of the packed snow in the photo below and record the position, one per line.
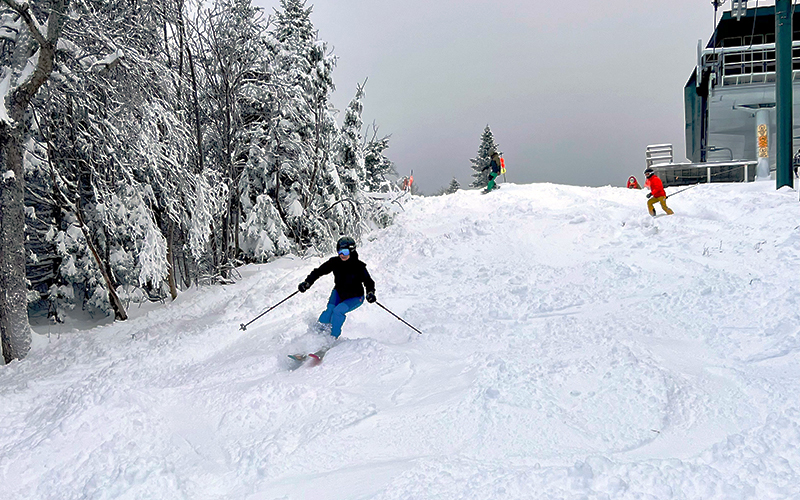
(573, 347)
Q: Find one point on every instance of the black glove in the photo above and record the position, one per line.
(371, 297)
(303, 287)
(649, 195)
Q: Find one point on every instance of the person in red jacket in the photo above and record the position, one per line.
(633, 183)
(656, 194)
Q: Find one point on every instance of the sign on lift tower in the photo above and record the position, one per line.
(738, 8)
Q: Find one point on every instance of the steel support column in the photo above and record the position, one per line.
(783, 93)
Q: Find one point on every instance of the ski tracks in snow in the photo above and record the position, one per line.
(573, 347)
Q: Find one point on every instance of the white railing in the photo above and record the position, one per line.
(658, 153)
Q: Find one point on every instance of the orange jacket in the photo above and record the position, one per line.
(656, 186)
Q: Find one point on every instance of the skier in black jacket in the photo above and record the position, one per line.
(495, 173)
(350, 277)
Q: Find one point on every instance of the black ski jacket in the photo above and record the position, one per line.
(495, 166)
(348, 276)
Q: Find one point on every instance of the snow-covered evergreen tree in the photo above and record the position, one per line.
(453, 187)
(301, 174)
(117, 160)
(377, 165)
(350, 149)
(481, 164)
(168, 148)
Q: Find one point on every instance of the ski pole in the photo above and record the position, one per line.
(398, 317)
(682, 190)
(244, 325)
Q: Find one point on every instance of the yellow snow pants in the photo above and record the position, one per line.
(652, 202)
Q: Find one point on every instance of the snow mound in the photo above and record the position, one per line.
(573, 347)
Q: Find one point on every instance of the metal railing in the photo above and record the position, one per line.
(746, 65)
(683, 174)
(658, 153)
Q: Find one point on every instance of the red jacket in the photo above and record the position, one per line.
(656, 186)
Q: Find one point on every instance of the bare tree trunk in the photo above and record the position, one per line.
(197, 128)
(238, 215)
(173, 289)
(226, 218)
(102, 265)
(14, 327)
(187, 272)
(278, 191)
(15, 330)
(116, 303)
(317, 146)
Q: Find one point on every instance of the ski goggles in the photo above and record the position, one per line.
(344, 251)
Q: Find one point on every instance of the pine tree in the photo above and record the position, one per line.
(350, 158)
(377, 165)
(481, 164)
(453, 187)
(291, 155)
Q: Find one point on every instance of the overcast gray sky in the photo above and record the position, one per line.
(572, 90)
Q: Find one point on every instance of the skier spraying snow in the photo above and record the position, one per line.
(495, 166)
(350, 279)
(656, 194)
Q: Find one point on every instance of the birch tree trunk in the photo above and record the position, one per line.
(15, 330)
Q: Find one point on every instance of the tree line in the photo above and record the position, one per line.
(146, 146)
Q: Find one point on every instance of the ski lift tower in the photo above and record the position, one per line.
(783, 93)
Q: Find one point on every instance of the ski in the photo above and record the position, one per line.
(317, 356)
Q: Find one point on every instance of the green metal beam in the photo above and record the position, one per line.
(783, 93)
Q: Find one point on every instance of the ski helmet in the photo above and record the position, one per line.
(648, 172)
(346, 242)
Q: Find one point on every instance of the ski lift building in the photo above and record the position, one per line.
(729, 100)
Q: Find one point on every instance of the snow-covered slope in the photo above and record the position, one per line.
(573, 347)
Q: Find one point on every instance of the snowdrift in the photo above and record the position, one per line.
(573, 347)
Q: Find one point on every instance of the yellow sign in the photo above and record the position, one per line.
(763, 141)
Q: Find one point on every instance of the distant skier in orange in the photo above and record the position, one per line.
(656, 194)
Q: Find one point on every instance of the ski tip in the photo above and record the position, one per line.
(315, 356)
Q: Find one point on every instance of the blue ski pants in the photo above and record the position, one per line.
(336, 311)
